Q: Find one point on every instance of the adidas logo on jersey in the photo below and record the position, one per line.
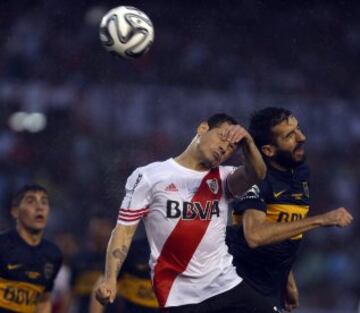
(171, 187)
(192, 210)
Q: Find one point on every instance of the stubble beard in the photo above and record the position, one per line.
(286, 159)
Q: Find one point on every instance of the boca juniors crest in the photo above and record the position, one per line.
(306, 189)
(48, 270)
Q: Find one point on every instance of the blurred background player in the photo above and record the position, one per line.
(184, 203)
(62, 293)
(28, 262)
(134, 285)
(88, 264)
(274, 212)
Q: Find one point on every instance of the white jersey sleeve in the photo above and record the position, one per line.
(136, 201)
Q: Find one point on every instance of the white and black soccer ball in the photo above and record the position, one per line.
(127, 32)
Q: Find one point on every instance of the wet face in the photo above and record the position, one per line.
(289, 143)
(33, 211)
(213, 147)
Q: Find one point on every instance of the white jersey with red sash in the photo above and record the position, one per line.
(185, 215)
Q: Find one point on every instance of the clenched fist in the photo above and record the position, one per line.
(105, 292)
(339, 217)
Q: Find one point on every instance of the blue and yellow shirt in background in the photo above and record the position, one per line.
(26, 272)
(284, 197)
(134, 284)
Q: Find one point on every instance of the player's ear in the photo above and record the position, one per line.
(202, 128)
(14, 211)
(268, 150)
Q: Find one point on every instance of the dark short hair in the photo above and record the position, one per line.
(19, 195)
(219, 118)
(262, 122)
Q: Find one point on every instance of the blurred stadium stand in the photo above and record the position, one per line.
(107, 116)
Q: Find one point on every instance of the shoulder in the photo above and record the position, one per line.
(151, 169)
(153, 173)
(272, 180)
(8, 239)
(253, 198)
(52, 251)
(260, 190)
(256, 192)
(143, 178)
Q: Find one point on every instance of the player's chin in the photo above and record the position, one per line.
(290, 308)
(299, 155)
(214, 163)
(38, 226)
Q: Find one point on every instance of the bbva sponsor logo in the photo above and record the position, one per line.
(192, 210)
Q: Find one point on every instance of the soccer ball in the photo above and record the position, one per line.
(127, 32)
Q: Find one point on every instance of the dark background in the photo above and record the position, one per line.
(106, 116)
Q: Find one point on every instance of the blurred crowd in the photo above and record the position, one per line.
(106, 116)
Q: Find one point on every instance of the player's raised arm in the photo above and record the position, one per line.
(118, 247)
(254, 168)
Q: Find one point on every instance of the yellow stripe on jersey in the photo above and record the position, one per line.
(19, 296)
(137, 290)
(281, 213)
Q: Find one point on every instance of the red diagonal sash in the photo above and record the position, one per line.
(183, 241)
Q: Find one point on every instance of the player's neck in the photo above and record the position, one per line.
(32, 239)
(278, 166)
(189, 160)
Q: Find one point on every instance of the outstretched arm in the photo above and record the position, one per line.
(258, 231)
(254, 168)
(118, 247)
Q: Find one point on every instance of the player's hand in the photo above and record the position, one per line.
(291, 299)
(339, 217)
(105, 292)
(236, 133)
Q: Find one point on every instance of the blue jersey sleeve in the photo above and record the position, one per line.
(252, 199)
